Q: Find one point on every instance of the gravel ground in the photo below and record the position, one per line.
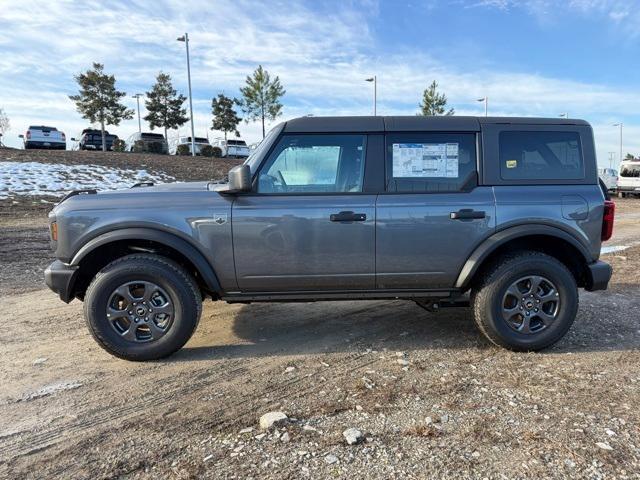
(429, 396)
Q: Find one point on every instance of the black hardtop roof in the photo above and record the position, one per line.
(412, 123)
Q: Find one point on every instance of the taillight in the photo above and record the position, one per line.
(607, 220)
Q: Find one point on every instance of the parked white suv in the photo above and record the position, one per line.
(232, 148)
(175, 142)
(629, 179)
(44, 137)
(610, 178)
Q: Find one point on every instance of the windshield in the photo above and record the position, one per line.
(630, 171)
(256, 154)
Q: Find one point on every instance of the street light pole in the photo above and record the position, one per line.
(611, 155)
(185, 39)
(137, 97)
(374, 79)
(620, 125)
(486, 105)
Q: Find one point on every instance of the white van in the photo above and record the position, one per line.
(177, 141)
(629, 178)
(232, 148)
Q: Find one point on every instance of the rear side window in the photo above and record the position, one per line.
(632, 171)
(431, 162)
(542, 155)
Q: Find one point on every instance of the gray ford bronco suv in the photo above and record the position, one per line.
(504, 214)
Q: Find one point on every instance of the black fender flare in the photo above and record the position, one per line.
(171, 240)
(498, 239)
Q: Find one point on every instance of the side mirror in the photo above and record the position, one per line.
(20, 136)
(73, 139)
(239, 179)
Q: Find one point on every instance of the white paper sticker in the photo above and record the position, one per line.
(425, 160)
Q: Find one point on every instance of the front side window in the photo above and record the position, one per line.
(541, 155)
(314, 164)
(431, 162)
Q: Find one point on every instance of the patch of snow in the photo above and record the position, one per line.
(50, 390)
(613, 249)
(37, 179)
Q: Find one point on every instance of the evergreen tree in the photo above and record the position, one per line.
(434, 103)
(98, 99)
(225, 117)
(261, 97)
(164, 105)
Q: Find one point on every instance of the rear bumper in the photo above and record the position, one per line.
(598, 276)
(635, 190)
(61, 278)
(53, 145)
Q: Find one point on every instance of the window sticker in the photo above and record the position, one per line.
(512, 163)
(425, 160)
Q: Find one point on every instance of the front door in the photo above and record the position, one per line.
(308, 225)
(433, 213)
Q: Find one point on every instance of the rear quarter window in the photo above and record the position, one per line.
(541, 155)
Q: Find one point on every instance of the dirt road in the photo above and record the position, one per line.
(460, 408)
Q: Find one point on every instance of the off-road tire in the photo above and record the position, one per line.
(487, 298)
(175, 280)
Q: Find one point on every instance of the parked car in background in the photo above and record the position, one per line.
(629, 178)
(147, 142)
(44, 137)
(175, 142)
(91, 139)
(232, 148)
(610, 178)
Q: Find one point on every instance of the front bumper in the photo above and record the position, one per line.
(598, 276)
(61, 278)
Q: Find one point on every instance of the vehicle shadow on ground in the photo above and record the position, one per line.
(607, 321)
(329, 327)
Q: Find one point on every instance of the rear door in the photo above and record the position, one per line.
(433, 213)
(309, 224)
(629, 179)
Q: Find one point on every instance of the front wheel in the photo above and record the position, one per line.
(142, 307)
(525, 302)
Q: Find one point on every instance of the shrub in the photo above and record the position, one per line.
(216, 152)
(119, 145)
(206, 151)
(183, 149)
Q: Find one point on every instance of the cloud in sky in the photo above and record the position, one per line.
(322, 54)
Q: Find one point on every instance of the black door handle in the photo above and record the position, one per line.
(348, 217)
(467, 214)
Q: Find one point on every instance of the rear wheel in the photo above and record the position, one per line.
(621, 194)
(142, 307)
(525, 302)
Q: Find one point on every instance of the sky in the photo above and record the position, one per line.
(529, 57)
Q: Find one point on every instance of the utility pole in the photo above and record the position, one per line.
(486, 105)
(137, 97)
(185, 39)
(620, 125)
(374, 79)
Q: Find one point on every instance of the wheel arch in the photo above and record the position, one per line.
(543, 238)
(103, 249)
